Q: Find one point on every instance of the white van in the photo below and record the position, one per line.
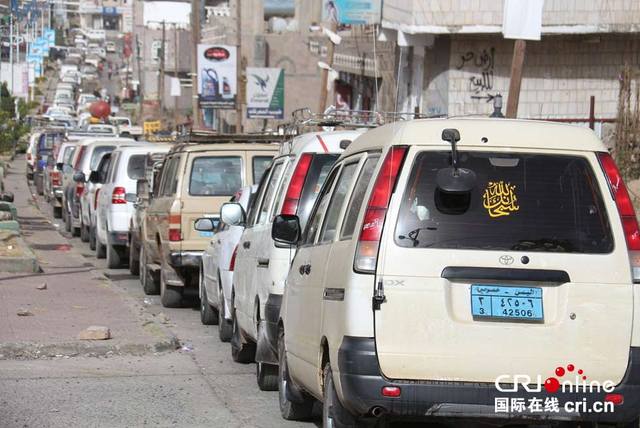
(290, 187)
(448, 262)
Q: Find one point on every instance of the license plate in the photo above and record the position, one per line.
(506, 303)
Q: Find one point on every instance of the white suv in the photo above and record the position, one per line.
(290, 187)
(116, 199)
(433, 280)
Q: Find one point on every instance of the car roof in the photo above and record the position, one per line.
(499, 133)
(105, 141)
(319, 142)
(223, 147)
(142, 148)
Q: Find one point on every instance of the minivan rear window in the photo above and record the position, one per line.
(521, 202)
(259, 166)
(317, 174)
(135, 168)
(215, 176)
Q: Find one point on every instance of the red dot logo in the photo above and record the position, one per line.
(560, 371)
(552, 385)
(571, 367)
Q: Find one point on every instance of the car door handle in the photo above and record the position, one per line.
(304, 269)
(263, 263)
(246, 244)
(301, 269)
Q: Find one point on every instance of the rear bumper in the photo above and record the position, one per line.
(362, 383)
(185, 258)
(267, 351)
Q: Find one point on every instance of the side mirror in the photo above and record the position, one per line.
(233, 214)
(79, 177)
(142, 189)
(94, 177)
(59, 166)
(204, 225)
(286, 229)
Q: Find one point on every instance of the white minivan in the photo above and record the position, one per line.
(459, 268)
(289, 187)
(116, 199)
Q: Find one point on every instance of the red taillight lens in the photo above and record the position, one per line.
(55, 178)
(623, 201)
(294, 191)
(118, 195)
(616, 399)
(79, 189)
(369, 241)
(175, 235)
(175, 224)
(391, 391)
(232, 262)
(95, 199)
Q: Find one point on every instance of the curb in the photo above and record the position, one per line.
(31, 351)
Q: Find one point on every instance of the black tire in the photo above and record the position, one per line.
(243, 353)
(333, 413)
(267, 376)
(92, 238)
(84, 233)
(101, 249)
(113, 257)
(225, 327)
(134, 259)
(208, 316)
(290, 410)
(67, 221)
(170, 297)
(76, 232)
(57, 212)
(149, 285)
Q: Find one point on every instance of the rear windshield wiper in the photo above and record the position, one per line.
(550, 245)
(413, 235)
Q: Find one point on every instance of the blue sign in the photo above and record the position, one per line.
(353, 12)
(50, 36)
(109, 10)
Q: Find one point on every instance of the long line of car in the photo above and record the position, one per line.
(392, 273)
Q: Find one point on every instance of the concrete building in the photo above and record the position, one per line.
(113, 15)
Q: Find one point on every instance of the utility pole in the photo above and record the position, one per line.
(324, 79)
(517, 63)
(175, 72)
(162, 65)
(140, 89)
(195, 35)
(11, 49)
(239, 69)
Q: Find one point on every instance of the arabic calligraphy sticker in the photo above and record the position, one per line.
(500, 199)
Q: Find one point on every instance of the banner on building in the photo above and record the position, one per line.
(522, 20)
(217, 79)
(352, 12)
(265, 93)
(50, 36)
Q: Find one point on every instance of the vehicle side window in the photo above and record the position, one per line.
(357, 197)
(270, 192)
(112, 168)
(167, 174)
(259, 165)
(315, 220)
(343, 185)
(253, 206)
(174, 177)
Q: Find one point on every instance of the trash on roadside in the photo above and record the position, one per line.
(147, 301)
(42, 286)
(163, 318)
(24, 313)
(188, 347)
(95, 332)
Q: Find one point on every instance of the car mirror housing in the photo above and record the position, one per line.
(233, 214)
(79, 177)
(204, 224)
(286, 229)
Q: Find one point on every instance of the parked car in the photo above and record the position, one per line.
(31, 153)
(145, 189)
(218, 264)
(291, 187)
(63, 151)
(110, 47)
(196, 180)
(86, 159)
(89, 200)
(44, 151)
(116, 199)
(436, 244)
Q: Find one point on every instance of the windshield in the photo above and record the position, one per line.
(521, 202)
(215, 176)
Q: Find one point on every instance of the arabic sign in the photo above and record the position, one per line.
(500, 199)
(265, 93)
(217, 79)
(352, 12)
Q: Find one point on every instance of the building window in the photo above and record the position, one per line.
(156, 49)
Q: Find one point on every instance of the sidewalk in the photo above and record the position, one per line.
(76, 296)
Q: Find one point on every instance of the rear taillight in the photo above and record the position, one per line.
(625, 210)
(55, 178)
(369, 241)
(95, 199)
(175, 233)
(294, 191)
(79, 189)
(118, 195)
(232, 262)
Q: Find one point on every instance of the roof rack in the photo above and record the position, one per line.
(211, 137)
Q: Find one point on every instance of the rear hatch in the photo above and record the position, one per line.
(527, 272)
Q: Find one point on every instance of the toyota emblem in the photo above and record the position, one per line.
(506, 260)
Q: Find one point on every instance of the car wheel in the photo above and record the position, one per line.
(290, 410)
(84, 233)
(170, 297)
(67, 221)
(134, 263)
(266, 374)
(225, 327)
(208, 316)
(57, 212)
(243, 353)
(113, 257)
(146, 279)
(333, 414)
(101, 249)
(92, 238)
(76, 232)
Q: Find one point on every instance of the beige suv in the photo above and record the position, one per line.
(195, 181)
